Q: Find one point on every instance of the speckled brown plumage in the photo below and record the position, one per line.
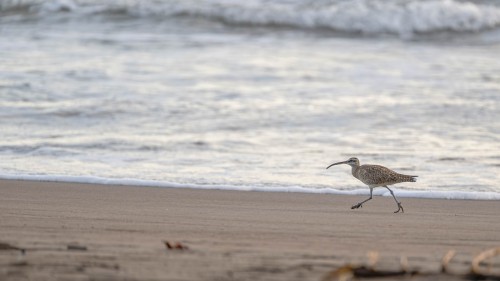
(376, 175)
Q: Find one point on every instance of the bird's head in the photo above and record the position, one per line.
(353, 162)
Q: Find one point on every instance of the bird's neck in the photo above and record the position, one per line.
(354, 170)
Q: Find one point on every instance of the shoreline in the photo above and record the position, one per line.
(231, 235)
(363, 191)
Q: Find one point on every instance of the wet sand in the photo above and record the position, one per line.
(117, 233)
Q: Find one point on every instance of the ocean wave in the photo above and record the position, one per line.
(432, 194)
(402, 18)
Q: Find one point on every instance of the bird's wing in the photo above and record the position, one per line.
(375, 175)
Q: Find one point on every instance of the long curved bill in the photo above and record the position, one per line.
(338, 163)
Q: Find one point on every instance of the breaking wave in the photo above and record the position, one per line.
(402, 18)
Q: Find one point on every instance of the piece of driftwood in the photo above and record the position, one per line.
(8, 247)
(175, 246)
(476, 273)
(446, 260)
(349, 272)
(74, 247)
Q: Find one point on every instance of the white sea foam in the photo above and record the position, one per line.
(403, 18)
(432, 194)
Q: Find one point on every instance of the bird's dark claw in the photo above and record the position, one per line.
(359, 205)
(399, 208)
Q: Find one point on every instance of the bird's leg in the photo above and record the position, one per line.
(397, 202)
(360, 204)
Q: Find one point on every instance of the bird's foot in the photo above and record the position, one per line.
(357, 206)
(400, 207)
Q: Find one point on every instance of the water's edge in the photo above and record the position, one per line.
(428, 194)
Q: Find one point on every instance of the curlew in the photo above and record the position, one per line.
(375, 176)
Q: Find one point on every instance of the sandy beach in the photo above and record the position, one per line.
(102, 232)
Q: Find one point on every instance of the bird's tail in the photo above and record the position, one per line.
(408, 178)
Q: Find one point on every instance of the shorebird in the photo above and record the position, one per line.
(375, 176)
